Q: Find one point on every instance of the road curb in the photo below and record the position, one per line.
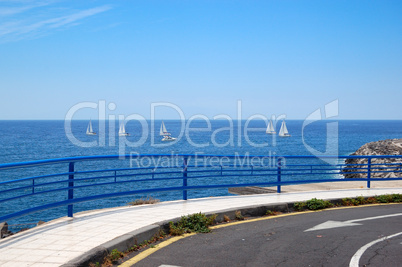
(126, 241)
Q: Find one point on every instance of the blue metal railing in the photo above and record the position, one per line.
(45, 184)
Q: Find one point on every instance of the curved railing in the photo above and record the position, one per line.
(34, 186)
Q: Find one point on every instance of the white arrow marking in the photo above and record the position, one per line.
(336, 224)
(331, 224)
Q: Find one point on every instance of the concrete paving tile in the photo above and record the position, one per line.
(8, 257)
(37, 243)
(68, 255)
(54, 247)
(82, 248)
(14, 254)
(92, 244)
(65, 243)
(28, 256)
(54, 260)
(16, 264)
(44, 264)
(10, 251)
(44, 252)
(73, 238)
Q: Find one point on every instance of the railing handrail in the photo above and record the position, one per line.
(102, 157)
(184, 171)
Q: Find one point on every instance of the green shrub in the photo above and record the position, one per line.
(397, 197)
(347, 201)
(385, 198)
(270, 213)
(360, 200)
(355, 202)
(317, 204)
(134, 248)
(328, 204)
(239, 216)
(175, 229)
(197, 222)
(115, 255)
(299, 206)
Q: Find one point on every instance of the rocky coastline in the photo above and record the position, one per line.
(4, 232)
(383, 147)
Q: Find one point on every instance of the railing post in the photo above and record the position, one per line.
(185, 163)
(368, 172)
(70, 190)
(279, 175)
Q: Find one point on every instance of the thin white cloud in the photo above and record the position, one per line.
(80, 15)
(13, 10)
(7, 11)
(33, 26)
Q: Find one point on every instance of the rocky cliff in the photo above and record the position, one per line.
(384, 147)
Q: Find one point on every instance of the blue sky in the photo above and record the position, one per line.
(276, 57)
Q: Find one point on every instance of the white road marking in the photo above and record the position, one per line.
(354, 262)
(331, 224)
(336, 224)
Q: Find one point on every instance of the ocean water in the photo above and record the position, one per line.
(36, 140)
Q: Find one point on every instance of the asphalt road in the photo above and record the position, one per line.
(357, 233)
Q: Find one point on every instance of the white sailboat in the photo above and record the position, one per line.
(166, 135)
(122, 130)
(283, 132)
(270, 128)
(90, 131)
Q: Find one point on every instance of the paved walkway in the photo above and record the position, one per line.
(60, 241)
(338, 186)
